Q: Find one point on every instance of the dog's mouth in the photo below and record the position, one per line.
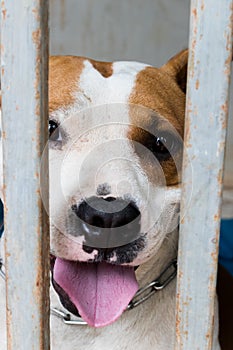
(99, 292)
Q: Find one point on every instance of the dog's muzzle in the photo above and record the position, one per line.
(101, 287)
(107, 223)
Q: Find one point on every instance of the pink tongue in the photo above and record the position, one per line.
(100, 292)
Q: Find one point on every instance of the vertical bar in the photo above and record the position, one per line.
(206, 120)
(24, 105)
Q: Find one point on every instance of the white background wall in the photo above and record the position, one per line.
(145, 30)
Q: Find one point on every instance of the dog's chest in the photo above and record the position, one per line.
(137, 329)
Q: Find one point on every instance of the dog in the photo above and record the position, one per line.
(115, 155)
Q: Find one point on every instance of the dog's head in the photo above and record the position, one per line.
(115, 154)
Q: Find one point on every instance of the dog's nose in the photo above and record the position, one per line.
(108, 222)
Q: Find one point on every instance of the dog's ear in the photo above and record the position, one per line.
(177, 68)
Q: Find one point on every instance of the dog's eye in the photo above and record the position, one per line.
(54, 131)
(162, 146)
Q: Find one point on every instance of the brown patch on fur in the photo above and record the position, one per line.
(162, 92)
(104, 68)
(64, 73)
(171, 167)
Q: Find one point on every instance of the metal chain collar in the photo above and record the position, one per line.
(2, 269)
(167, 275)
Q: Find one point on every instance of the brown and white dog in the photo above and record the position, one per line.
(115, 153)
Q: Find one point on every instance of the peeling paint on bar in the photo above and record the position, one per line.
(206, 120)
(24, 56)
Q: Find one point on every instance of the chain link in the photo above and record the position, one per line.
(2, 269)
(67, 318)
(158, 284)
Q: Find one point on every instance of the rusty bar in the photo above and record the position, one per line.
(24, 60)
(206, 119)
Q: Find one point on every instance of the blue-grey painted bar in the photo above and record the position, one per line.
(206, 119)
(24, 57)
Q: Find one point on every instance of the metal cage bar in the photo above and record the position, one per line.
(24, 54)
(205, 132)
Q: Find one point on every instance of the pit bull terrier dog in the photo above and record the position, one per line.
(115, 153)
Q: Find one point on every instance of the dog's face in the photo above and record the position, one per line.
(115, 154)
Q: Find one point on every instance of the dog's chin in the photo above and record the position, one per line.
(99, 292)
